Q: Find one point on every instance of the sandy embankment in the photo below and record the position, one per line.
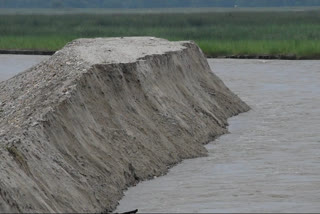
(101, 115)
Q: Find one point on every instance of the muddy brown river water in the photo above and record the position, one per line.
(270, 161)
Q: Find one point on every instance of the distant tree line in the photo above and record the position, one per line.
(152, 3)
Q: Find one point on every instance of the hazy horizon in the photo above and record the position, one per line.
(132, 4)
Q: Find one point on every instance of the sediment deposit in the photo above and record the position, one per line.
(101, 115)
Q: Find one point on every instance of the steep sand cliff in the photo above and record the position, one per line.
(101, 115)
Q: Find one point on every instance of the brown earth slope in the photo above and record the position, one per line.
(101, 115)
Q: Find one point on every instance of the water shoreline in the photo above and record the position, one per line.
(27, 52)
(244, 56)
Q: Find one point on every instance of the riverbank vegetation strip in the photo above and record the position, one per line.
(217, 33)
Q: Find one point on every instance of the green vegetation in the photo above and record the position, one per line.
(217, 33)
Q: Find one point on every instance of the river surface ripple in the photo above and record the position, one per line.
(270, 161)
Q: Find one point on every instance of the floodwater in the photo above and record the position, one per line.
(10, 65)
(270, 161)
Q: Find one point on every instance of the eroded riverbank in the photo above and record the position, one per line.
(270, 161)
(102, 114)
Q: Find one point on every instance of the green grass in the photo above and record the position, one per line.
(217, 33)
(34, 42)
(306, 49)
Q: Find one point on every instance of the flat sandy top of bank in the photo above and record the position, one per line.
(123, 49)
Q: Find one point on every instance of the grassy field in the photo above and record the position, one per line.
(287, 32)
